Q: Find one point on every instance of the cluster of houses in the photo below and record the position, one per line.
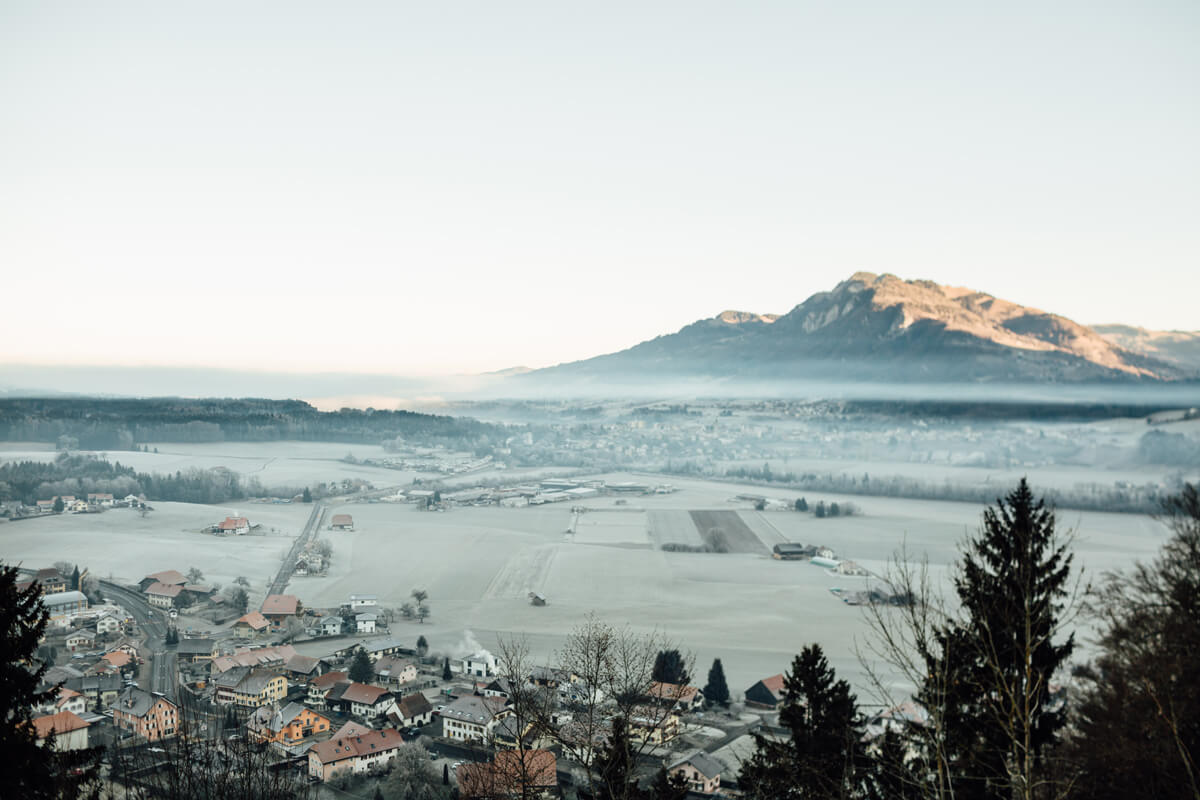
(165, 590)
(360, 614)
(550, 490)
(92, 503)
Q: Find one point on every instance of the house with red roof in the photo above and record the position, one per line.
(279, 608)
(512, 773)
(767, 693)
(163, 595)
(353, 754)
(233, 525)
(250, 625)
(64, 730)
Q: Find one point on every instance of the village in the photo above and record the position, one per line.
(338, 667)
(131, 678)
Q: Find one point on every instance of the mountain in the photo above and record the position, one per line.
(1181, 348)
(880, 328)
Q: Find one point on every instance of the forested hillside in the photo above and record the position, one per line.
(122, 424)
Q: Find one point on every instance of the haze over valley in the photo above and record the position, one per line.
(599, 401)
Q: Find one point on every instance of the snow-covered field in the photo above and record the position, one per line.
(288, 464)
(126, 546)
(479, 564)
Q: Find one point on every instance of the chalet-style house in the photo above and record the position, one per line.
(320, 687)
(361, 700)
(82, 639)
(342, 522)
(701, 771)
(304, 668)
(412, 711)
(279, 608)
(287, 726)
(394, 672)
(250, 625)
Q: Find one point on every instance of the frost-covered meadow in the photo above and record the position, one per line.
(479, 564)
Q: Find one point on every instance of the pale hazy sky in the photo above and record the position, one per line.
(438, 187)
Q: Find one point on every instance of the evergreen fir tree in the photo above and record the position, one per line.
(669, 667)
(822, 756)
(996, 662)
(33, 771)
(616, 764)
(361, 670)
(422, 646)
(306, 497)
(75, 579)
(716, 691)
(446, 673)
(1136, 729)
(668, 787)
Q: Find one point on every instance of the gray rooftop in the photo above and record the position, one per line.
(705, 764)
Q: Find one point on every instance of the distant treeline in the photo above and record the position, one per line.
(1093, 497)
(999, 410)
(79, 475)
(107, 424)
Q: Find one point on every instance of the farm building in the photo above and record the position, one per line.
(234, 525)
(767, 693)
(792, 551)
(342, 522)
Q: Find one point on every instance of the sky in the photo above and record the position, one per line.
(454, 187)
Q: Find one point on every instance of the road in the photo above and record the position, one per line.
(289, 562)
(159, 673)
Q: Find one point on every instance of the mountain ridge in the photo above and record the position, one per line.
(881, 327)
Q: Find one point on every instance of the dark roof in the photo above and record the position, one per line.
(196, 647)
(705, 764)
(137, 702)
(414, 705)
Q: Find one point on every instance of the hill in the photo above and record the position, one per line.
(881, 328)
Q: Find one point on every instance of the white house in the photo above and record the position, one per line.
(480, 665)
(362, 602)
(80, 640)
(368, 701)
(66, 729)
(472, 718)
(108, 624)
(365, 623)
